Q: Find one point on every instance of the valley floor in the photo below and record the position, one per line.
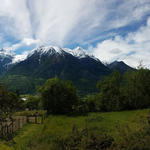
(57, 129)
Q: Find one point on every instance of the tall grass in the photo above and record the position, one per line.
(53, 134)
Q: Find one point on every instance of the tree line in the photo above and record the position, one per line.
(125, 92)
(117, 92)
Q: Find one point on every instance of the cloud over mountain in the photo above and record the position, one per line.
(132, 48)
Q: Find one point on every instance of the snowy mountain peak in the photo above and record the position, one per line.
(80, 52)
(46, 50)
(79, 48)
(6, 53)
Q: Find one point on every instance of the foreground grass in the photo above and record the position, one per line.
(4, 146)
(50, 135)
(22, 139)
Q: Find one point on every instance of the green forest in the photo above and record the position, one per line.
(116, 92)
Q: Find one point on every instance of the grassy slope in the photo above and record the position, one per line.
(48, 135)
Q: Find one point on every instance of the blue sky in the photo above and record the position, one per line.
(110, 29)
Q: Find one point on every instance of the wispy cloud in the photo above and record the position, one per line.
(24, 43)
(63, 22)
(29, 23)
(14, 19)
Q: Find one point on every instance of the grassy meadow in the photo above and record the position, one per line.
(51, 134)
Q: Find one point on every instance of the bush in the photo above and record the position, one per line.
(32, 102)
(84, 139)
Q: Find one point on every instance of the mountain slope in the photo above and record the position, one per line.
(6, 57)
(42, 63)
(120, 66)
(47, 62)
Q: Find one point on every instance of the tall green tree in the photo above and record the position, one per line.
(136, 89)
(4, 100)
(110, 92)
(9, 102)
(58, 97)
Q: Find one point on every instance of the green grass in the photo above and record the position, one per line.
(48, 136)
(25, 136)
(4, 146)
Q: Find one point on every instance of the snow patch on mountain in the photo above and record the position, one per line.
(80, 53)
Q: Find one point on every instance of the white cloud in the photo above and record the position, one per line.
(15, 19)
(66, 22)
(131, 49)
(25, 42)
(28, 41)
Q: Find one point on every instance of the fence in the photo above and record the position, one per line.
(9, 126)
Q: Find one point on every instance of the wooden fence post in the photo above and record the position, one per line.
(36, 119)
(42, 119)
(0, 130)
(27, 119)
(18, 123)
(7, 130)
(12, 126)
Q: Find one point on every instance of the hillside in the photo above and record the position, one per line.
(120, 66)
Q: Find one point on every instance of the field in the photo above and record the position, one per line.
(51, 134)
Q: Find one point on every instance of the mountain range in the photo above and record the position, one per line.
(45, 62)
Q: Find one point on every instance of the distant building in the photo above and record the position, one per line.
(24, 98)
